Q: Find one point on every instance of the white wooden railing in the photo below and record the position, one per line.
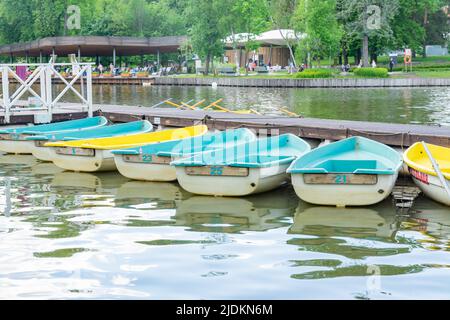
(10, 102)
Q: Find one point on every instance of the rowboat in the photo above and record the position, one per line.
(94, 155)
(423, 173)
(13, 140)
(37, 142)
(152, 162)
(241, 170)
(351, 172)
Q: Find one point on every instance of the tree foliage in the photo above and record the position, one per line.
(332, 27)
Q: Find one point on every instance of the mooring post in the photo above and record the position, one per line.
(89, 91)
(5, 87)
(48, 91)
(43, 85)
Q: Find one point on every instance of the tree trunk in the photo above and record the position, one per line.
(246, 62)
(365, 51)
(357, 57)
(345, 54)
(236, 58)
(425, 22)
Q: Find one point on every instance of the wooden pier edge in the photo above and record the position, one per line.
(396, 135)
(304, 83)
(272, 83)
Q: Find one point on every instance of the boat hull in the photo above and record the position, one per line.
(431, 186)
(102, 161)
(258, 180)
(145, 171)
(343, 195)
(15, 146)
(43, 153)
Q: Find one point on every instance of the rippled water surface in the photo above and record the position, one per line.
(397, 105)
(70, 235)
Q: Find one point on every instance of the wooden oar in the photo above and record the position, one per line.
(289, 113)
(437, 169)
(212, 104)
(161, 103)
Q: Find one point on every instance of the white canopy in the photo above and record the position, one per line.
(273, 37)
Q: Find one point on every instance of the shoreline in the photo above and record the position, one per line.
(305, 83)
(272, 83)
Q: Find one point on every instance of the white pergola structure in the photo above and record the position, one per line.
(274, 37)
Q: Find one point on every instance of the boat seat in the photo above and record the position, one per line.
(349, 166)
(255, 160)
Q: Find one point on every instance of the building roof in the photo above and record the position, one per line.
(273, 37)
(95, 45)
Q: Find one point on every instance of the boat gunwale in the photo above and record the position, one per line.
(423, 169)
(187, 162)
(245, 137)
(316, 170)
(193, 131)
(102, 121)
(146, 127)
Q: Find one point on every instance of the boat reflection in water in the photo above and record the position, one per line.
(101, 183)
(432, 219)
(375, 222)
(340, 242)
(22, 160)
(260, 212)
(162, 195)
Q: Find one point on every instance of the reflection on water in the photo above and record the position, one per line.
(231, 215)
(70, 235)
(396, 105)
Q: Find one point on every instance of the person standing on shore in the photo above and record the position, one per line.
(391, 64)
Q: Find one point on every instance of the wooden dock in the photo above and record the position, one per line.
(398, 135)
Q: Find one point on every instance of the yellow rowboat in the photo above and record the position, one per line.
(95, 155)
(423, 173)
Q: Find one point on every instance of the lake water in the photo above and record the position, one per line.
(397, 105)
(71, 235)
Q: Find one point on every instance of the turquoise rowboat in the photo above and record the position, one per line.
(352, 172)
(152, 162)
(241, 170)
(37, 142)
(13, 140)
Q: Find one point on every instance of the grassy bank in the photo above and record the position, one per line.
(430, 67)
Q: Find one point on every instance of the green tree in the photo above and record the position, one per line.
(367, 19)
(281, 14)
(248, 17)
(206, 34)
(317, 20)
(14, 21)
